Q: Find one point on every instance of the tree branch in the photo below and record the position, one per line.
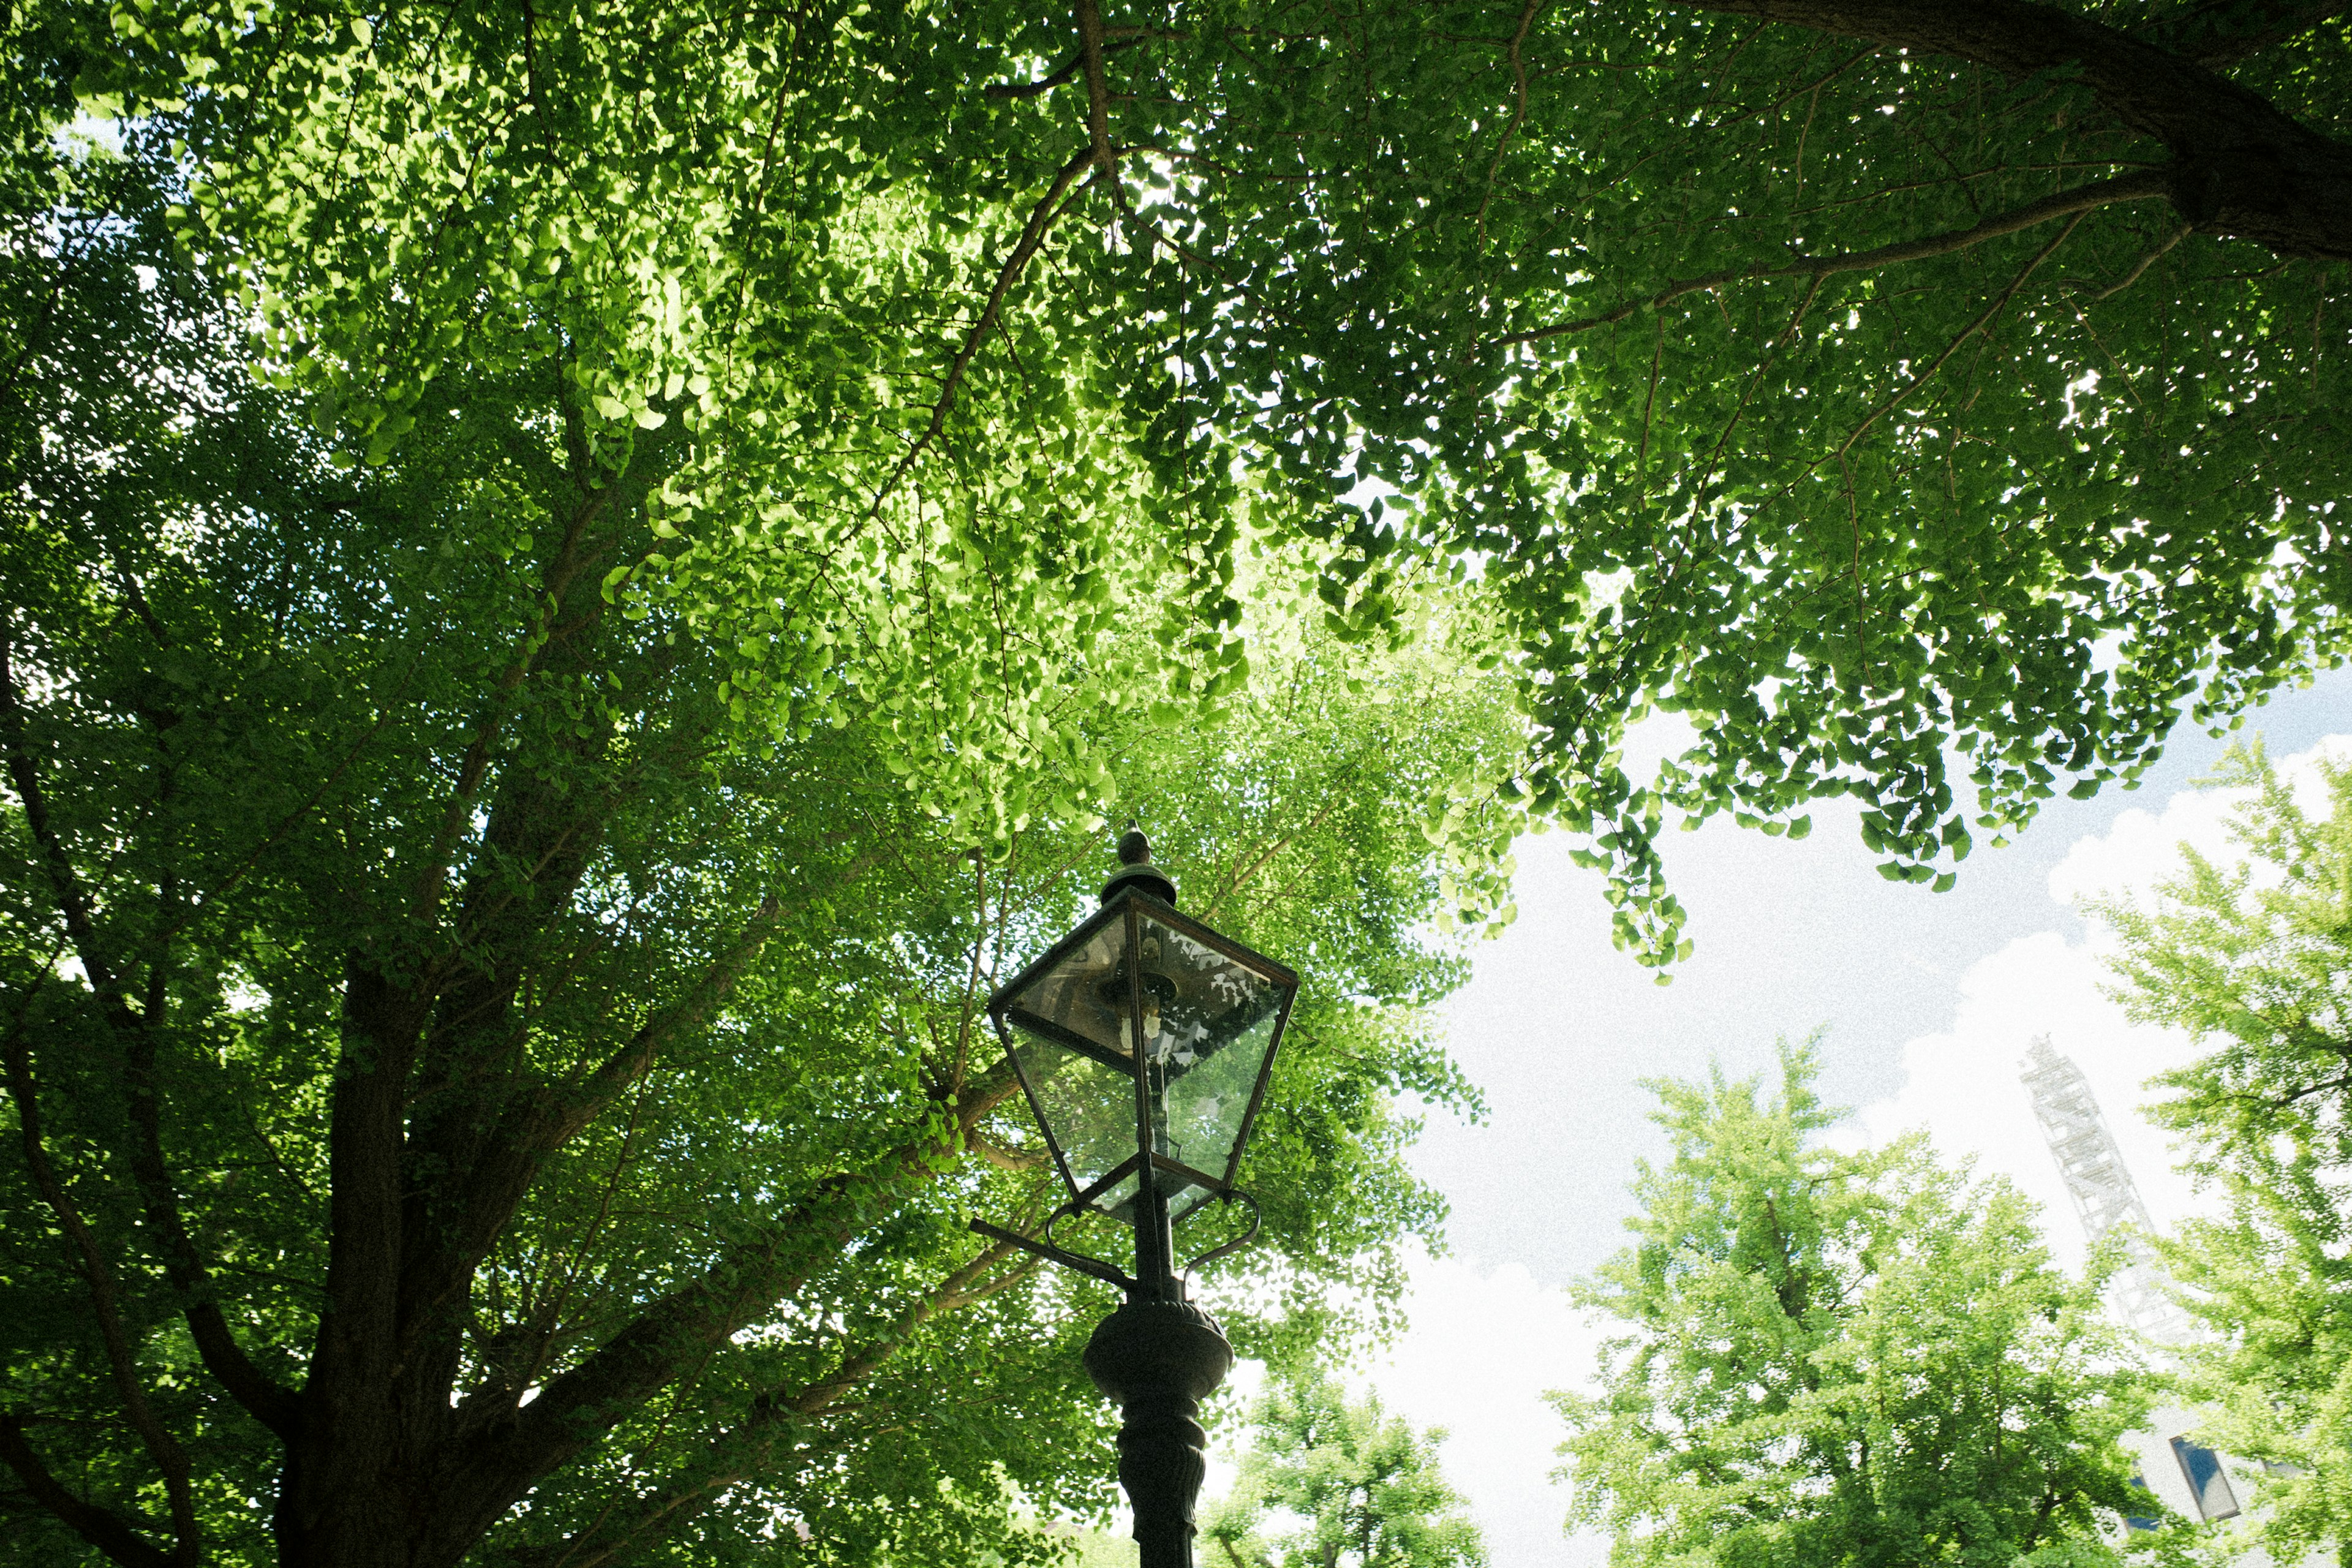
(614, 1076)
(1090, 50)
(274, 1407)
(675, 1332)
(742, 1451)
(1064, 72)
(496, 1186)
(1061, 74)
(569, 560)
(101, 1527)
(957, 1291)
(1518, 110)
(2148, 259)
(1243, 875)
(2222, 32)
(64, 883)
(1033, 235)
(2140, 186)
(1715, 457)
(1003, 1157)
(122, 1356)
(1984, 320)
(479, 1121)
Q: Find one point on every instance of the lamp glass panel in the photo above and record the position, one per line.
(1207, 1042)
(1081, 1001)
(1070, 1036)
(1117, 1199)
(1087, 1105)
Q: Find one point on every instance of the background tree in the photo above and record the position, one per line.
(1835, 1357)
(1866, 382)
(2255, 960)
(1354, 1484)
(494, 1077)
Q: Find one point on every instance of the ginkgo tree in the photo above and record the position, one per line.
(2247, 955)
(494, 1048)
(1828, 1355)
(1357, 1486)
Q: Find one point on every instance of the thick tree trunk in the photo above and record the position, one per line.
(337, 1506)
(2240, 167)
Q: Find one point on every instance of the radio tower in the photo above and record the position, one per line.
(2102, 1190)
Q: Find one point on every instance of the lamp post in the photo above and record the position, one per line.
(1144, 1041)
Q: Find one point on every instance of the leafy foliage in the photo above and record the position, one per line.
(495, 1077)
(543, 538)
(1865, 385)
(1835, 1357)
(1362, 1488)
(2255, 958)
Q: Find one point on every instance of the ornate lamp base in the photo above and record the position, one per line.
(1157, 1361)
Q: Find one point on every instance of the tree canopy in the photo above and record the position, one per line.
(1836, 1358)
(1872, 385)
(493, 1076)
(2255, 960)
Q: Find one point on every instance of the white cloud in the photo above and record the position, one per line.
(2144, 847)
(1962, 1084)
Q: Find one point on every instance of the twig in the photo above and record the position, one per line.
(2221, 49)
(2142, 264)
(1033, 235)
(1642, 459)
(1519, 113)
(2145, 185)
(1972, 329)
(1794, 93)
(1243, 875)
(971, 980)
(205, 900)
(1796, 319)
(1062, 73)
(1861, 602)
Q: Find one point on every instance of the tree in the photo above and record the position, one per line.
(2255, 960)
(1835, 1357)
(1866, 382)
(1363, 1487)
(492, 1051)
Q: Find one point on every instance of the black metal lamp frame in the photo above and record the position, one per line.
(1159, 1355)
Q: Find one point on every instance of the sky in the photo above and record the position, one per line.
(1926, 1002)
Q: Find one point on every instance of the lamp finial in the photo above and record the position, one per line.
(1136, 870)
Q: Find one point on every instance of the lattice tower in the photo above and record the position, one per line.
(2102, 1189)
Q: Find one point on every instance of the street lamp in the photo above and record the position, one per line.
(1144, 1041)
